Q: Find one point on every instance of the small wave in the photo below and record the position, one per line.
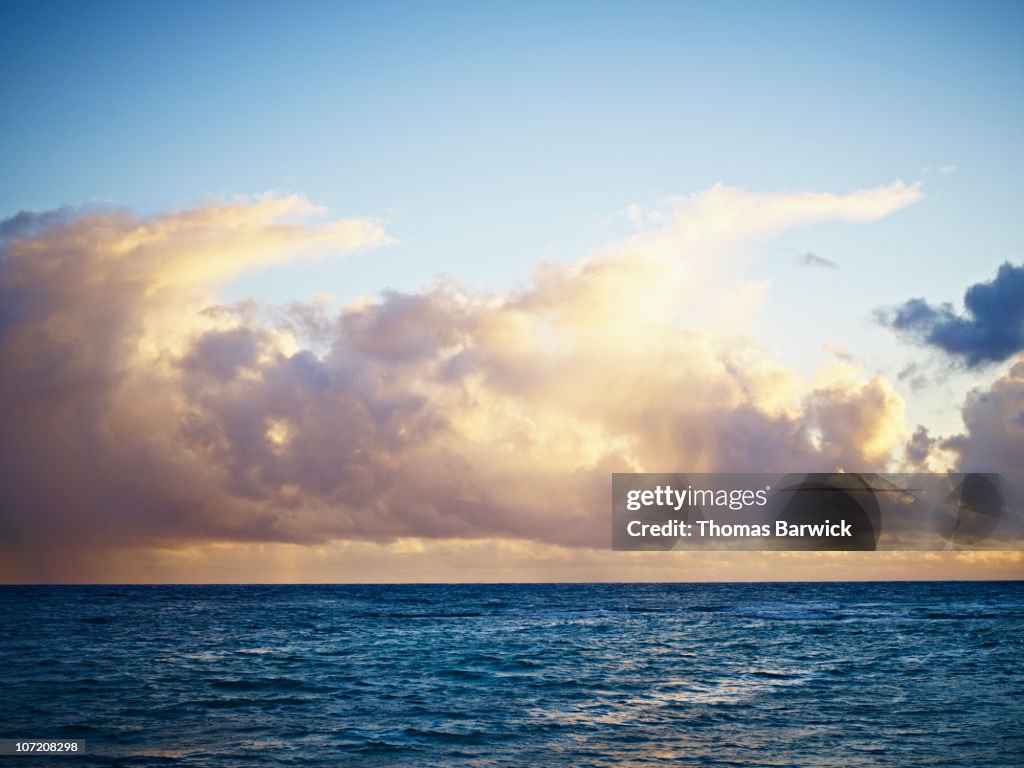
(266, 683)
(957, 616)
(375, 747)
(432, 734)
(76, 730)
(795, 616)
(465, 674)
(97, 619)
(253, 701)
(436, 615)
(790, 611)
(771, 674)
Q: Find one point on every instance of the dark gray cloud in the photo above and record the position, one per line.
(919, 449)
(990, 331)
(814, 260)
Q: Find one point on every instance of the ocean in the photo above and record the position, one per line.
(879, 674)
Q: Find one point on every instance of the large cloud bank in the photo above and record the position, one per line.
(136, 410)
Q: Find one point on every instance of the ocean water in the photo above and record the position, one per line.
(927, 674)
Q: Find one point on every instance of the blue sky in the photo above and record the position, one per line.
(536, 121)
(491, 136)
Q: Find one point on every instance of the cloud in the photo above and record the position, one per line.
(97, 310)
(138, 412)
(944, 170)
(27, 223)
(991, 331)
(914, 375)
(993, 440)
(728, 214)
(813, 260)
(919, 449)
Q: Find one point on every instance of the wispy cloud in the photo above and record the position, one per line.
(814, 260)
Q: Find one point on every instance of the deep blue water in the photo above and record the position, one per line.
(904, 675)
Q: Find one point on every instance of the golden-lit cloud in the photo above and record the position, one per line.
(99, 312)
(141, 416)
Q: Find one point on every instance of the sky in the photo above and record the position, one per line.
(386, 292)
